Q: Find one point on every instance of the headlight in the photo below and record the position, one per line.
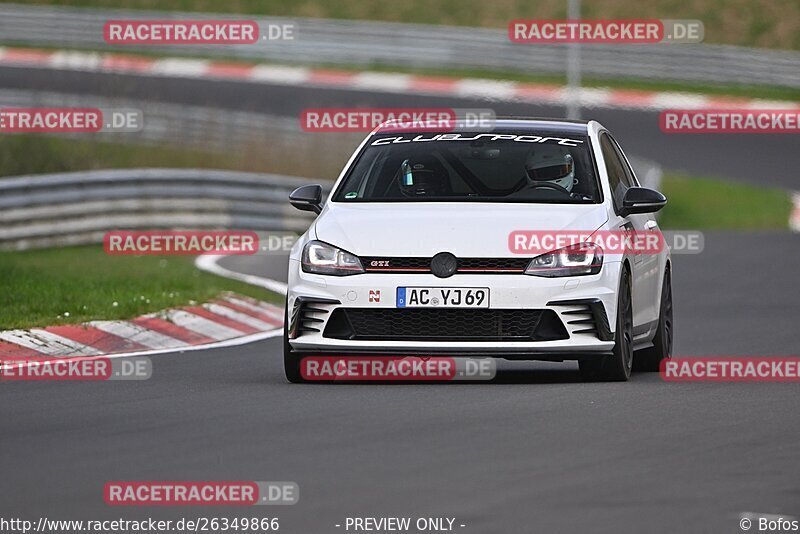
(575, 260)
(322, 258)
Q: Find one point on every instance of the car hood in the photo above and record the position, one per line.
(465, 229)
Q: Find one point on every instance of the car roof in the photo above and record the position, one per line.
(559, 125)
(529, 124)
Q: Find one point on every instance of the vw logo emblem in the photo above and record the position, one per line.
(444, 265)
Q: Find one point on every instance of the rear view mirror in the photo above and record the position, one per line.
(641, 200)
(307, 198)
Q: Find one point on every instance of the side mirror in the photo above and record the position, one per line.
(641, 200)
(307, 198)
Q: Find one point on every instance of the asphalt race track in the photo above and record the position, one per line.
(535, 451)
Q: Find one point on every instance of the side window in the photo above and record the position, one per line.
(630, 178)
(615, 169)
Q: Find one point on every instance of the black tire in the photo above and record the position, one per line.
(649, 359)
(291, 361)
(617, 367)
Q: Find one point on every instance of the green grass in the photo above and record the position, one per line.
(270, 155)
(55, 154)
(40, 287)
(707, 203)
(763, 23)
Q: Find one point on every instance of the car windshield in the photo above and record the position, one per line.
(538, 167)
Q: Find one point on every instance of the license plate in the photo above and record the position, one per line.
(442, 297)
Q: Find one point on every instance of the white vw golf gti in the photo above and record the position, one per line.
(424, 248)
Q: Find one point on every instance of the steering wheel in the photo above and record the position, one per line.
(548, 185)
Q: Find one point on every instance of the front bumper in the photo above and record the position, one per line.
(583, 305)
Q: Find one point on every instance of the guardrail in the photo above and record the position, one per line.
(79, 208)
(368, 43)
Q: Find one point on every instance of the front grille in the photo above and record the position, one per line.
(493, 264)
(444, 324)
(465, 265)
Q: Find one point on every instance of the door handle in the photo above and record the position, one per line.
(649, 225)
